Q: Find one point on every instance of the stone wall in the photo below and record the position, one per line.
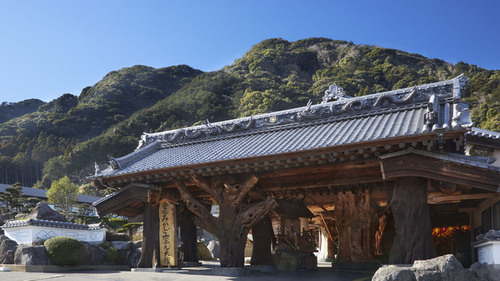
(443, 268)
(13, 253)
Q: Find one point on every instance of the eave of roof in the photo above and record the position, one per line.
(131, 194)
(478, 132)
(455, 168)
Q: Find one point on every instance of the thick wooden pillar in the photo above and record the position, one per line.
(150, 255)
(236, 216)
(188, 236)
(357, 222)
(413, 240)
(262, 234)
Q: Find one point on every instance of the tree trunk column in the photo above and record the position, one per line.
(232, 251)
(236, 217)
(188, 236)
(413, 240)
(150, 254)
(356, 221)
(263, 235)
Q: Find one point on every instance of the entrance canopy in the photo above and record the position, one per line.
(343, 143)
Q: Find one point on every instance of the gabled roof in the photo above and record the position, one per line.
(42, 194)
(383, 116)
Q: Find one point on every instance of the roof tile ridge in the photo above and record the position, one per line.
(289, 126)
(119, 163)
(346, 106)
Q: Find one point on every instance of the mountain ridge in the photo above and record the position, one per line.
(67, 135)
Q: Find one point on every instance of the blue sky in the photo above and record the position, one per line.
(50, 47)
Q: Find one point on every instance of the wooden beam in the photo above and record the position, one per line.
(417, 164)
(468, 210)
(317, 203)
(432, 198)
(326, 227)
(294, 183)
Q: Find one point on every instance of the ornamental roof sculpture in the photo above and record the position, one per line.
(425, 109)
(334, 93)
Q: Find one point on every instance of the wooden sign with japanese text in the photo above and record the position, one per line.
(168, 235)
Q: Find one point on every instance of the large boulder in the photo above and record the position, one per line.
(31, 255)
(124, 251)
(443, 268)
(137, 244)
(95, 254)
(482, 272)
(121, 245)
(7, 250)
(134, 257)
(394, 273)
(43, 211)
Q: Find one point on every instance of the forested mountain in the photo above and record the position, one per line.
(12, 110)
(69, 134)
(29, 141)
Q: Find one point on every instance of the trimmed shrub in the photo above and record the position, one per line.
(63, 250)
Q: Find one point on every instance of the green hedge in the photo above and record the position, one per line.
(63, 250)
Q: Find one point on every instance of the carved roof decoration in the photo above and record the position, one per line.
(425, 109)
(414, 97)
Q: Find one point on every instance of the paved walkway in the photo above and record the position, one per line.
(319, 275)
(202, 273)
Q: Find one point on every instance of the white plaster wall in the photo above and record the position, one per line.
(496, 155)
(489, 252)
(28, 234)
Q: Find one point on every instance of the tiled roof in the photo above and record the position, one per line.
(42, 193)
(87, 199)
(478, 132)
(387, 115)
(59, 224)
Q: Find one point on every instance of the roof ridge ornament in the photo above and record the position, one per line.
(334, 93)
(431, 115)
(113, 162)
(97, 168)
